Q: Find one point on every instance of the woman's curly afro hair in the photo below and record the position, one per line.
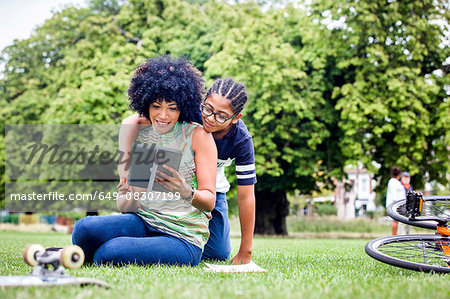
(168, 79)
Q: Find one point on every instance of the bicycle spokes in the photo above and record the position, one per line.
(416, 252)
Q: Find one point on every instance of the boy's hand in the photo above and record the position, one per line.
(123, 187)
(242, 258)
(123, 174)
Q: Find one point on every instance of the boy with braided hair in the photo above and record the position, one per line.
(221, 112)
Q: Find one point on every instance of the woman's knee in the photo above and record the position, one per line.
(118, 252)
(83, 230)
(107, 253)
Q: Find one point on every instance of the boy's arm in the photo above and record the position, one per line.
(127, 135)
(246, 204)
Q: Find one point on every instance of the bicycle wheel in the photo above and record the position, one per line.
(423, 253)
(438, 206)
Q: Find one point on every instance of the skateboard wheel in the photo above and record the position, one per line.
(72, 257)
(29, 255)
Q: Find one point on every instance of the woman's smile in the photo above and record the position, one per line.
(164, 115)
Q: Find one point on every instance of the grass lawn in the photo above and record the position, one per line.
(297, 268)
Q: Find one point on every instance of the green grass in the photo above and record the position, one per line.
(333, 224)
(297, 268)
(331, 227)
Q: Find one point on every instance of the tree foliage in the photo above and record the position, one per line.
(392, 102)
(286, 82)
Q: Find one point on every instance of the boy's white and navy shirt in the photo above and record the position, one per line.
(236, 145)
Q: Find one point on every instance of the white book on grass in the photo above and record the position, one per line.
(245, 268)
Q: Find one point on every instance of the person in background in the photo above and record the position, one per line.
(395, 192)
(406, 182)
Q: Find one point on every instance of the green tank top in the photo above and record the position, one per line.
(164, 212)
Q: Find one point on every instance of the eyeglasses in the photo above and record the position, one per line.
(218, 117)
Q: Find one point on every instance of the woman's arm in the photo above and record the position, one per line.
(205, 157)
(205, 151)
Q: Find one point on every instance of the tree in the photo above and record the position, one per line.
(392, 103)
(30, 76)
(287, 114)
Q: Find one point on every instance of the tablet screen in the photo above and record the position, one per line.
(141, 164)
(170, 157)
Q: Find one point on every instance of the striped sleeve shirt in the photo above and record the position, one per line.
(236, 145)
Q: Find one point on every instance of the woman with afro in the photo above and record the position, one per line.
(162, 229)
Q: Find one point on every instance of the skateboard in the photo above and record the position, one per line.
(48, 268)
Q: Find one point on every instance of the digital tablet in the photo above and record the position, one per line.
(166, 156)
(142, 159)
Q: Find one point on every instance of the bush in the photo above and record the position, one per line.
(11, 218)
(321, 224)
(326, 209)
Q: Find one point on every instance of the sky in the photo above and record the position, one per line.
(18, 18)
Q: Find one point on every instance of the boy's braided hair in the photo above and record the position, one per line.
(232, 91)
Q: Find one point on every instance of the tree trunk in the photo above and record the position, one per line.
(271, 211)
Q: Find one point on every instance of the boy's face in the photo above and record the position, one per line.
(219, 105)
